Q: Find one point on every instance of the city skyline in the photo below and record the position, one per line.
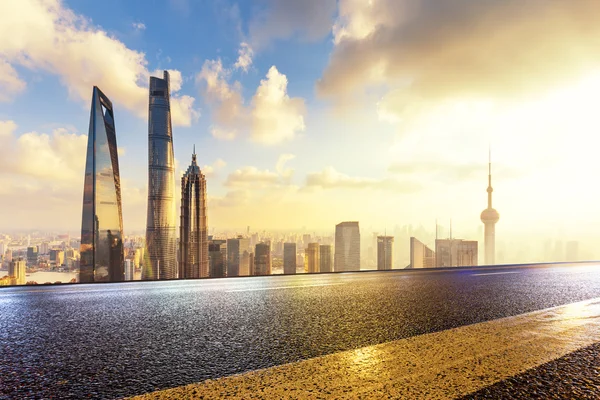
(441, 146)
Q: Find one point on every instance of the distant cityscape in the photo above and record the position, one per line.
(104, 254)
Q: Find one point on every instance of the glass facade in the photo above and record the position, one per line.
(193, 230)
(102, 219)
(289, 258)
(347, 247)
(161, 238)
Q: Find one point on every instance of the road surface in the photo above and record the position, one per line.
(119, 340)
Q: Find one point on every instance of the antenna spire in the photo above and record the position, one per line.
(490, 189)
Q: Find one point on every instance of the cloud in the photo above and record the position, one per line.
(432, 51)
(212, 169)
(231, 199)
(228, 112)
(40, 168)
(10, 83)
(282, 19)
(245, 57)
(273, 117)
(58, 157)
(44, 35)
(449, 171)
(280, 166)
(259, 178)
(329, 178)
(138, 26)
(252, 176)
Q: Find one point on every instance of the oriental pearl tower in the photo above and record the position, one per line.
(490, 217)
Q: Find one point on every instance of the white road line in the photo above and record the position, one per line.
(281, 287)
(440, 365)
(497, 273)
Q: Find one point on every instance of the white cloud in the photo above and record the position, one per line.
(10, 83)
(280, 166)
(244, 60)
(138, 26)
(273, 117)
(251, 176)
(45, 35)
(330, 178)
(231, 199)
(212, 169)
(228, 112)
(58, 156)
(431, 52)
(282, 19)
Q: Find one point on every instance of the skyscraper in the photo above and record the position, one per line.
(101, 248)
(193, 229)
(325, 258)
(347, 247)
(455, 253)
(312, 255)
(289, 258)
(32, 255)
(262, 259)
(16, 269)
(490, 217)
(384, 252)
(161, 241)
(217, 254)
(237, 265)
(421, 256)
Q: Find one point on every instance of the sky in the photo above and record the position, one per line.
(309, 113)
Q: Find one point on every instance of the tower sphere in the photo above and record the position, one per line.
(490, 215)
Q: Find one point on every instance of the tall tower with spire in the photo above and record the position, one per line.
(193, 228)
(490, 217)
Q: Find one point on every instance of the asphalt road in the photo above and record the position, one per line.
(115, 340)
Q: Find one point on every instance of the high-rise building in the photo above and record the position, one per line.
(384, 252)
(217, 258)
(193, 228)
(421, 256)
(161, 240)
(237, 265)
(250, 256)
(129, 270)
(44, 248)
(32, 255)
(325, 259)
(101, 245)
(455, 253)
(289, 258)
(490, 217)
(262, 259)
(347, 247)
(57, 257)
(16, 269)
(313, 263)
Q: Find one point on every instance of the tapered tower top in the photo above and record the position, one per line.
(490, 215)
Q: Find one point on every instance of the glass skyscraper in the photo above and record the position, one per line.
(161, 239)
(102, 220)
(347, 247)
(193, 228)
